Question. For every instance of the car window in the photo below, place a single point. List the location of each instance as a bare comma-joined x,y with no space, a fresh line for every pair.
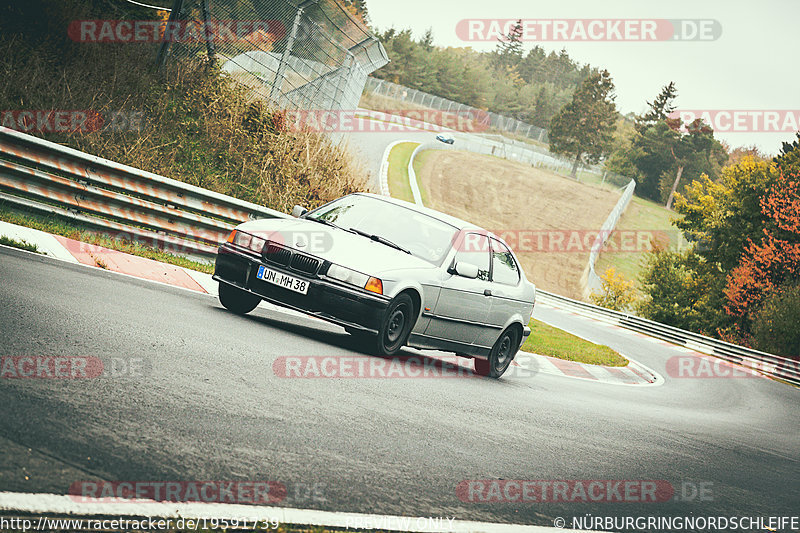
474,249
504,267
424,236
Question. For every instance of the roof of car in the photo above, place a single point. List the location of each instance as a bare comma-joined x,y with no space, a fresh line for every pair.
453,221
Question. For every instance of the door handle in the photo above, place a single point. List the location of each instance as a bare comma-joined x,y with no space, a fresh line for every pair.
487,292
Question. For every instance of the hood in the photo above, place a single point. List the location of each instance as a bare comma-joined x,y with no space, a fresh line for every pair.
336,245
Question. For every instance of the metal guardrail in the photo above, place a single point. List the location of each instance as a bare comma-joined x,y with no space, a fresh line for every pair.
769,364
49,178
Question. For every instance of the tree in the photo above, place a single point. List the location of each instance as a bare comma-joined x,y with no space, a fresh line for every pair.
508,51
665,150
616,293
583,129
683,290
773,261
359,9
775,323
723,215
660,108
427,40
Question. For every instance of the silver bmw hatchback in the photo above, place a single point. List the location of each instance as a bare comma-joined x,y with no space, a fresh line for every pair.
390,272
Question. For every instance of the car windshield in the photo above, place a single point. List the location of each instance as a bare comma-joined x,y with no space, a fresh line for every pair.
422,235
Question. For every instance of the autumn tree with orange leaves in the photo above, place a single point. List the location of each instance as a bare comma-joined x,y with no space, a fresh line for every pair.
768,273
741,279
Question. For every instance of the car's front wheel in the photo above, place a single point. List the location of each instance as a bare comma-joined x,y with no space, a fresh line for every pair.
500,357
237,300
395,327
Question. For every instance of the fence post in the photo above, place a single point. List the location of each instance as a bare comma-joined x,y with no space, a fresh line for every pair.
210,48
161,58
278,82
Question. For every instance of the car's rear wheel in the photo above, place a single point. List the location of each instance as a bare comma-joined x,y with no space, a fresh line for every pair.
237,300
395,327
500,357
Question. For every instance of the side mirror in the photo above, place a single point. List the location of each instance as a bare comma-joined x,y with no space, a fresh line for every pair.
466,270
298,211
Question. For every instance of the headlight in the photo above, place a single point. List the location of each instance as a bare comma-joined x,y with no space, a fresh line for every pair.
257,244
348,276
242,239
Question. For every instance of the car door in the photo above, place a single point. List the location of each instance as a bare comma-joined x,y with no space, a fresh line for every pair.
505,291
463,305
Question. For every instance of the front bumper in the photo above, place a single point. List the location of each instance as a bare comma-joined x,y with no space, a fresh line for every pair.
526,331
326,298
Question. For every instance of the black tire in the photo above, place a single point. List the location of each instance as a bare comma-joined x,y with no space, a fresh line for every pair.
503,352
395,327
237,300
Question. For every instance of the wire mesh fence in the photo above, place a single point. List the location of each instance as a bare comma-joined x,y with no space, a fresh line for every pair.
498,122
493,144
593,282
313,54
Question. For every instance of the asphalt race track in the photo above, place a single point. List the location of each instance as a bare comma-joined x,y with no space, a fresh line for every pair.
208,406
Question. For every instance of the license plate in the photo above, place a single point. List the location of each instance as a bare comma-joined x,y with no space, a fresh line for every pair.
282,280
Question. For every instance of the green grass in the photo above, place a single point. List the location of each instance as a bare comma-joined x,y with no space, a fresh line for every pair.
641,215
398,171
72,231
419,163
548,340
21,244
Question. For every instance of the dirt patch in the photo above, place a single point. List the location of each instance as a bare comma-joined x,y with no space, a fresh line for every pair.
539,211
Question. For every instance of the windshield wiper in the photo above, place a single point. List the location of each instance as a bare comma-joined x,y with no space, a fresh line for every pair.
323,221
327,223
382,240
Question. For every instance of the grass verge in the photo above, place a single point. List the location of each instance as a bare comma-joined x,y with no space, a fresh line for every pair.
398,171
548,340
21,244
641,216
189,121
72,231
419,163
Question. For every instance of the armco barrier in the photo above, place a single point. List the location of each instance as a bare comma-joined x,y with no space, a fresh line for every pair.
771,365
50,178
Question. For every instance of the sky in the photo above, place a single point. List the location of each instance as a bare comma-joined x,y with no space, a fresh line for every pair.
751,66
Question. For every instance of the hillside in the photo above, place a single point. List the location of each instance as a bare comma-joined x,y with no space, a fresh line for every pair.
188,122
546,218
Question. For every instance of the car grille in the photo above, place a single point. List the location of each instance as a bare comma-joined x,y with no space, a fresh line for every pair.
305,263
275,253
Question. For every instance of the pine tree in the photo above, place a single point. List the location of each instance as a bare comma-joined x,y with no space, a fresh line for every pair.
584,128
509,48
660,108
427,40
